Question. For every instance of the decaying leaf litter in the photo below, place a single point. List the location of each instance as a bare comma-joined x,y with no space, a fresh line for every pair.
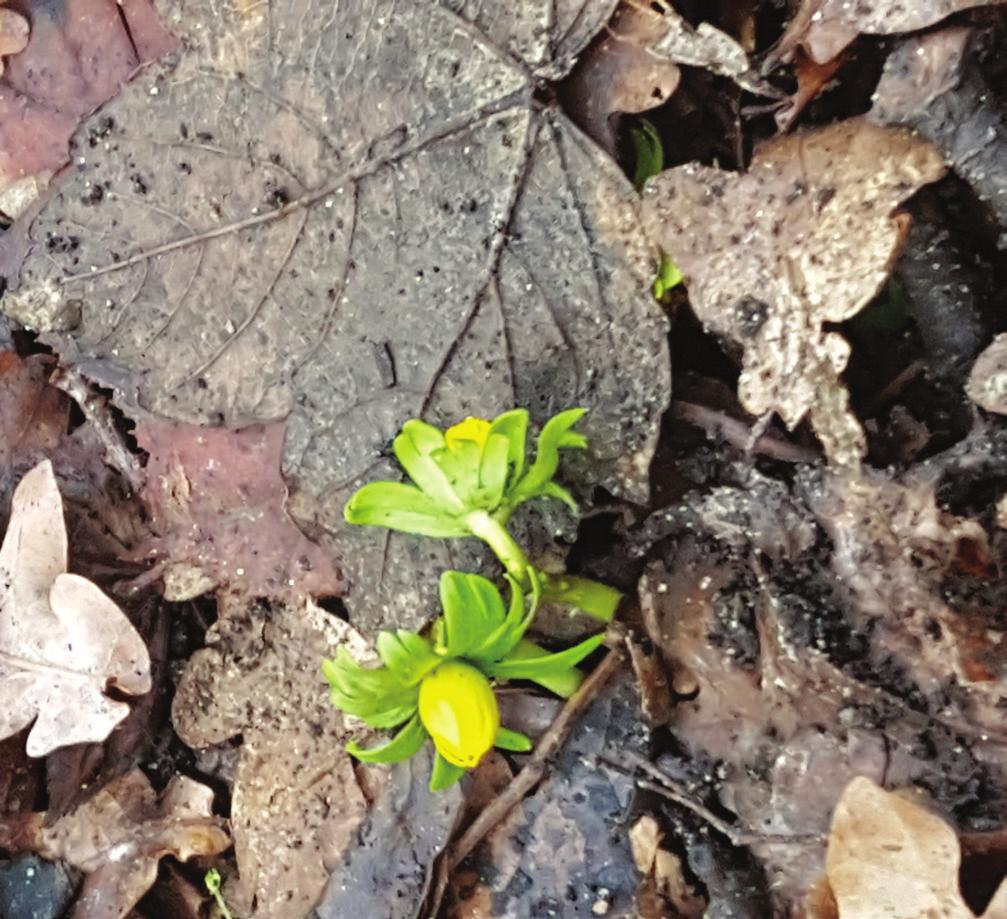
247,243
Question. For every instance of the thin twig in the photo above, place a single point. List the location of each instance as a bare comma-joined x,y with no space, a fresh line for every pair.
739,435
530,776
97,411
667,787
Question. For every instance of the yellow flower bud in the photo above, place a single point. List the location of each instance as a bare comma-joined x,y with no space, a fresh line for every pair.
459,711
476,430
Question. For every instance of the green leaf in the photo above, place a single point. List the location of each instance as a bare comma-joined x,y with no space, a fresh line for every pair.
504,638
377,696
406,743
493,471
555,490
668,276
514,741
444,774
556,435
409,655
460,464
472,607
515,667
415,448
514,426
648,150
401,507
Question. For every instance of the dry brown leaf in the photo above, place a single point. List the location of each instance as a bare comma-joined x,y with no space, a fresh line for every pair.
296,802
62,641
620,73
890,856
118,837
14,31
826,27
217,505
805,238
987,385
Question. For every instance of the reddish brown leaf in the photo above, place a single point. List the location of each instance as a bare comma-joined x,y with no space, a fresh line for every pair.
79,54
217,504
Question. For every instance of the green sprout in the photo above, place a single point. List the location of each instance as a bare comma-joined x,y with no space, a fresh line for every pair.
648,152
469,480
669,275
439,689
212,881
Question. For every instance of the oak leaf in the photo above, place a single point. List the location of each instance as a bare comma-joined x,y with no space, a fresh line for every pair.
62,641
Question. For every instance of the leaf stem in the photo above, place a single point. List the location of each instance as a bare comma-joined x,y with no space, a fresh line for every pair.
592,597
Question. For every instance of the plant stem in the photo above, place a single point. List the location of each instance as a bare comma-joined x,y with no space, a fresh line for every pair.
592,597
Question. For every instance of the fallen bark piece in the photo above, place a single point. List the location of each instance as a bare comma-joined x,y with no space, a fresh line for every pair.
118,837
804,239
62,641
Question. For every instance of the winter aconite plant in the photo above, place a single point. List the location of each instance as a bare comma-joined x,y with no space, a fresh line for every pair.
439,688
469,480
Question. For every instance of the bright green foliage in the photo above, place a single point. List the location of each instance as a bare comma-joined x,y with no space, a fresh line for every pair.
648,152
438,688
468,480
212,881
668,276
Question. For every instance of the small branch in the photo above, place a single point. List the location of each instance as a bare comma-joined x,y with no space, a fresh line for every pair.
667,787
736,433
530,776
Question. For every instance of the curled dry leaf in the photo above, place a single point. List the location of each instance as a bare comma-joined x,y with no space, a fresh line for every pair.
826,27
295,801
890,856
62,640
933,83
620,73
987,383
217,505
118,837
805,238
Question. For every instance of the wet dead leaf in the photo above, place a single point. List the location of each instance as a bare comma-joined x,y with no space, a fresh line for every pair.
217,506
567,838
78,56
890,856
620,73
805,238
389,869
826,27
933,84
62,641
461,250
118,837
295,801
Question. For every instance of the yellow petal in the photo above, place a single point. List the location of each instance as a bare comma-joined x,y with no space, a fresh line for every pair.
459,711
474,429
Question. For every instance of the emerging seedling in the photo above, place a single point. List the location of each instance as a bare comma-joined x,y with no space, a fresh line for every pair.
212,881
439,688
469,480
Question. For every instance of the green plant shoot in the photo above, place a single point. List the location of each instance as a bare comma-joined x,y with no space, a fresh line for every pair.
212,881
438,688
469,480
648,152
668,276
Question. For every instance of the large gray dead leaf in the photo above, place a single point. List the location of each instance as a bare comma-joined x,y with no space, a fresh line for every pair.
62,640
357,214
805,238
826,27
295,802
